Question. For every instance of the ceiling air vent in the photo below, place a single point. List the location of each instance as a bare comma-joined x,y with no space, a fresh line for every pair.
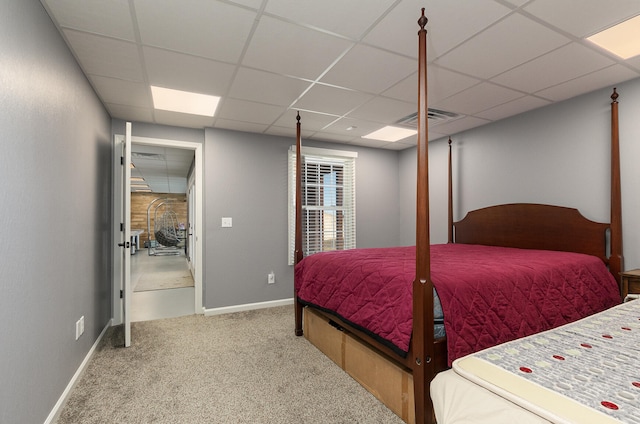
147,156
435,116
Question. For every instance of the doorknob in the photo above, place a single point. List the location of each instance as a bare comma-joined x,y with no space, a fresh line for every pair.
124,244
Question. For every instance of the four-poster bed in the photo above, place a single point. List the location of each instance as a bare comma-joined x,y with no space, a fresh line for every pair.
554,234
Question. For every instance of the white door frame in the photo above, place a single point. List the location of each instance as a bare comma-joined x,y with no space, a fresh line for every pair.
198,212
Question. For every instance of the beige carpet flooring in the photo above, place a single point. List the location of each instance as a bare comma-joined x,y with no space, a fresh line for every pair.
246,367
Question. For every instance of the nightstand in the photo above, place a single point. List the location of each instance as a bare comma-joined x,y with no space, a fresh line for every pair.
630,283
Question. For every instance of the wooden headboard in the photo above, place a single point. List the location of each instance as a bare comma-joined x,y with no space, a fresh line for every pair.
533,226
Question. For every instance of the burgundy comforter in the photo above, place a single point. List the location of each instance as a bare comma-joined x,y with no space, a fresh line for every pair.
489,294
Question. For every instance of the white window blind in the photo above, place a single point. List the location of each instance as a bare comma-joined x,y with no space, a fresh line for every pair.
328,200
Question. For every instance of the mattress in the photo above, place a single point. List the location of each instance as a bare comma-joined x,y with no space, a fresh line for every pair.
457,400
582,372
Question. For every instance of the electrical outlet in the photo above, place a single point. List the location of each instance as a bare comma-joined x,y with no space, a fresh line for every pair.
226,222
271,278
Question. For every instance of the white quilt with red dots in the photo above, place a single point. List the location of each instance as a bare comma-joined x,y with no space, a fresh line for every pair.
584,372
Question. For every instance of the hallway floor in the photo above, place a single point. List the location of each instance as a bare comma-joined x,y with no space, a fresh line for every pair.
160,303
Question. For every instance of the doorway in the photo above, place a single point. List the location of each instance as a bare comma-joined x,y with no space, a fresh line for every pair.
164,300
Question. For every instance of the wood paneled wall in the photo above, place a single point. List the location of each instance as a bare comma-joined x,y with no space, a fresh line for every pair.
139,204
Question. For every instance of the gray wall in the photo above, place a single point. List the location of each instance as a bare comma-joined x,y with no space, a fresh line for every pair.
246,179
55,206
558,154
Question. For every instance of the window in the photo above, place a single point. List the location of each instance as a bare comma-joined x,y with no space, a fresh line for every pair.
328,200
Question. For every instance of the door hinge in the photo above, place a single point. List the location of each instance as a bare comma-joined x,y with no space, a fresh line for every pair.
121,294
121,160
122,226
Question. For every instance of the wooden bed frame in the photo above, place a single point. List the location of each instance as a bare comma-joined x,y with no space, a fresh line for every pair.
515,225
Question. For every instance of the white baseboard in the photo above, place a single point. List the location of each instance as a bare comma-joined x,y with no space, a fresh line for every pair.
53,415
247,307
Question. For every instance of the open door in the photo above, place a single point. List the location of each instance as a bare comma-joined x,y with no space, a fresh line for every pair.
126,234
191,245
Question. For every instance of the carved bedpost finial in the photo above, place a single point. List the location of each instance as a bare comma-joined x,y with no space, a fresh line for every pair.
298,117
450,141
423,20
614,96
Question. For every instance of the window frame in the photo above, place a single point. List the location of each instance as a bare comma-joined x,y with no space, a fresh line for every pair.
327,158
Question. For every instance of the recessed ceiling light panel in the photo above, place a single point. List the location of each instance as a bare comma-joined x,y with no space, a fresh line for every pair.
623,39
184,101
390,133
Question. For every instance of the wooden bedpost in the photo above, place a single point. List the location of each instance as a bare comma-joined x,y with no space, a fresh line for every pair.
450,171
423,346
298,236
616,261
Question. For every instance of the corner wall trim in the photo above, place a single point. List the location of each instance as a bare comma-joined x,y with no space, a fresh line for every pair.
55,412
247,307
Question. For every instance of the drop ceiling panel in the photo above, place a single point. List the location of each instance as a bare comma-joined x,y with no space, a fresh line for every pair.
164,169
288,49
405,90
491,52
397,31
583,17
384,110
353,70
516,2
209,29
186,72
178,162
570,61
470,18
266,87
110,18
443,83
123,92
254,112
254,4
177,173
359,127
477,99
331,100
105,56
347,18
149,169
